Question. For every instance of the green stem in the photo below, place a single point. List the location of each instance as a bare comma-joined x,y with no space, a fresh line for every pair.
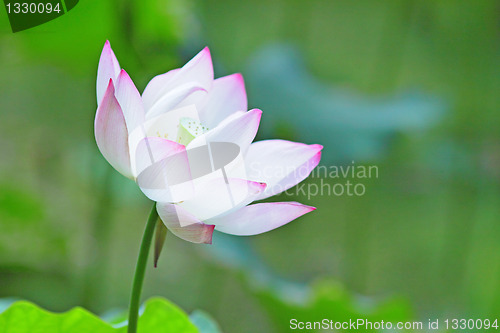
140,270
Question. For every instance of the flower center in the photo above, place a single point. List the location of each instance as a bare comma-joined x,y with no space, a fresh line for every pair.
189,129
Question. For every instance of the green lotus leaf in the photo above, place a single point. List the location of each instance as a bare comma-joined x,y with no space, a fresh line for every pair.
159,316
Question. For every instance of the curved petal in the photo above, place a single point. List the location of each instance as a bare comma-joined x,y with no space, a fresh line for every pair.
199,70
194,231
130,101
152,149
109,68
258,218
111,132
239,129
227,96
281,164
154,87
168,180
176,98
219,195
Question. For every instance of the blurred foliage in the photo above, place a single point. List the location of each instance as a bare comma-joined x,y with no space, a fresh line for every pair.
307,110
284,299
204,322
447,47
330,300
427,229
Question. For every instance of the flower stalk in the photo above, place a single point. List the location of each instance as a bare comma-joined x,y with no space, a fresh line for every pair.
140,270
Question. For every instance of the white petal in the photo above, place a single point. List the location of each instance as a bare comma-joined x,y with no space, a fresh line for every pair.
195,231
227,96
219,195
111,133
168,180
258,218
109,68
177,98
151,150
281,164
197,71
239,129
130,101
154,88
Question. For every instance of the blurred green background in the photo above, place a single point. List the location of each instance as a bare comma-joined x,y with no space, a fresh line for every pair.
409,86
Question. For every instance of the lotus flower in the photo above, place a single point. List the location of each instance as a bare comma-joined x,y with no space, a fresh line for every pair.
187,142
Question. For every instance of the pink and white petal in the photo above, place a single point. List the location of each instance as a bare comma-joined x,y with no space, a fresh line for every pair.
185,94
227,96
280,163
168,180
108,68
218,195
259,218
194,230
152,149
111,132
199,70
301,173
232,117
239,129
130,101
154,88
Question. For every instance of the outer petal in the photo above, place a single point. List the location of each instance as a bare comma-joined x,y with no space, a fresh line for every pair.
194,231
281,164
111,132
130,101
199,70
227,96
239,129
259,218
109,68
